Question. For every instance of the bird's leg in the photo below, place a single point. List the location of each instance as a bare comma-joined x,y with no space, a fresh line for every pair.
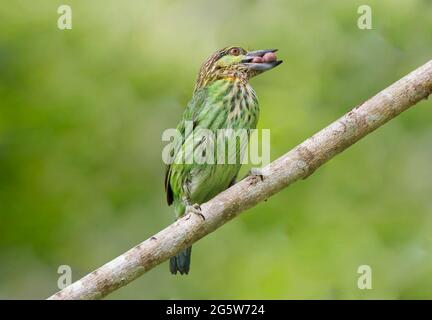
192,208
256,175
256,172
233,182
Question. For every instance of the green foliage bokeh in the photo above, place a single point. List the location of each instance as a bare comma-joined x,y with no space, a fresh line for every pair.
81,117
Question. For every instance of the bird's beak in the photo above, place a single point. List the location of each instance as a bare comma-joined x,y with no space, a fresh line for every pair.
261,60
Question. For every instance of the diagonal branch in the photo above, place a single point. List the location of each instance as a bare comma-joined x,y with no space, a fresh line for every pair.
297,164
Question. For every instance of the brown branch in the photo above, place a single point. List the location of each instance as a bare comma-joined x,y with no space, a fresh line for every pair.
297,164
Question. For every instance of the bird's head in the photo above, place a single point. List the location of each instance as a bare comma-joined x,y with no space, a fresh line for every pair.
236,63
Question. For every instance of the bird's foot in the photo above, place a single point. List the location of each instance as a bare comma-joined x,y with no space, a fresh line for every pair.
255,175
196,209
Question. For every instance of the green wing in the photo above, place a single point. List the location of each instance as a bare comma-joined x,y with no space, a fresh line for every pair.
190,114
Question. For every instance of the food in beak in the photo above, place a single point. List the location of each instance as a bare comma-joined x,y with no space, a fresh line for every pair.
268,57
261,60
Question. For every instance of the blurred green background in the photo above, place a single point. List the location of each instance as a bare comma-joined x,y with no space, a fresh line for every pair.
81,117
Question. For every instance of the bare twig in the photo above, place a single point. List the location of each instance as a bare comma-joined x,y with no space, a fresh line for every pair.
297,164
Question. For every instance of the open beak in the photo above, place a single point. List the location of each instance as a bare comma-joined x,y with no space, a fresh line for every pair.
261,60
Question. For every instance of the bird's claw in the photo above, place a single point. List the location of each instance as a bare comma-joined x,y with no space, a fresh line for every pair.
256,175
196,209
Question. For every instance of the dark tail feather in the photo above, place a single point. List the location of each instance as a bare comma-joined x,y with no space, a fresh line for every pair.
181,262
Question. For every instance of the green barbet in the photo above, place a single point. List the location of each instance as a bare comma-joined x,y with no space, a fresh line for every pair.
222,99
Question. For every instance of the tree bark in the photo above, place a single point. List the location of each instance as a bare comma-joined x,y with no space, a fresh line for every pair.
297,164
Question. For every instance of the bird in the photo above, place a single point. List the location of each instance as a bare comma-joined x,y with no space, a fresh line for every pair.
222,99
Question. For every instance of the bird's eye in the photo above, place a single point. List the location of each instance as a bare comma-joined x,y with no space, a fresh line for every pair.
234,51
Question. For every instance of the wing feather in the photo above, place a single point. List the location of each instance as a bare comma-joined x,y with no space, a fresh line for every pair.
189,114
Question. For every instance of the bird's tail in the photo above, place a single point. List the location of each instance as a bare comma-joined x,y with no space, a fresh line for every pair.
181,262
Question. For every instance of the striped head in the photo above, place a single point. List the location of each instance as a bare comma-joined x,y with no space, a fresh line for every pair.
236,63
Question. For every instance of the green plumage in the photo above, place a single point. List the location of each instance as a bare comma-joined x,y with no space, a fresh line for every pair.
223,104
223,99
